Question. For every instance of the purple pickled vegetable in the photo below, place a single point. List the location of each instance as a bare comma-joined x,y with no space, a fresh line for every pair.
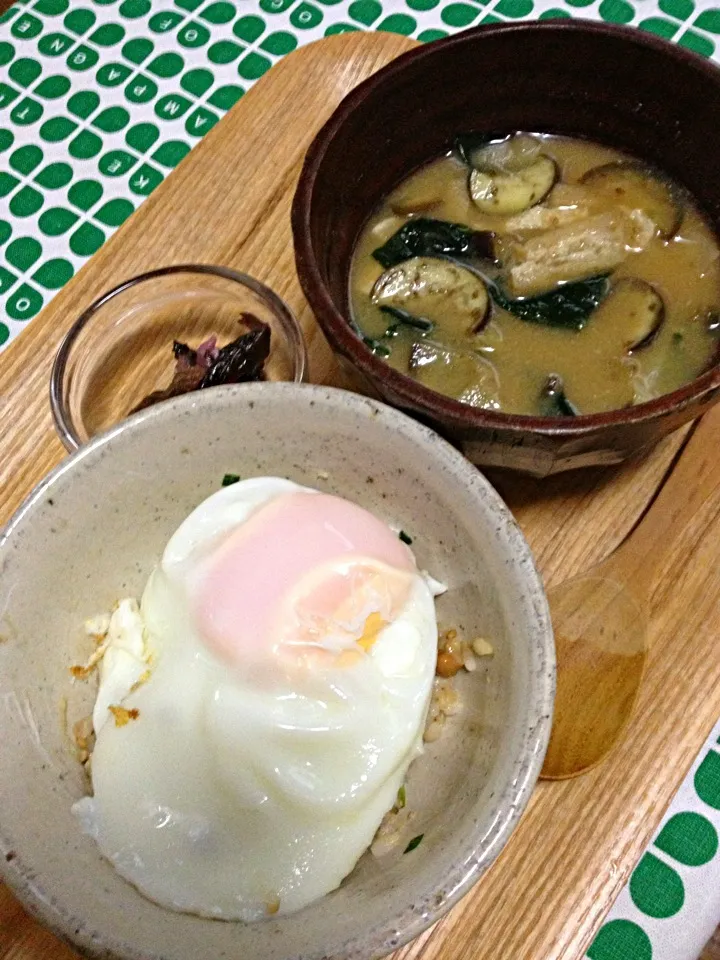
241,361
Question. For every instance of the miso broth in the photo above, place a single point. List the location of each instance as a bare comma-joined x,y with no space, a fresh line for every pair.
539,275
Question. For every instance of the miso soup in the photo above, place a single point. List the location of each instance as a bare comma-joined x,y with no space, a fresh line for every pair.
539,275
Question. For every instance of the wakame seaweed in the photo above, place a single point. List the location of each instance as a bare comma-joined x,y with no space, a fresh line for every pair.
426,237
570,306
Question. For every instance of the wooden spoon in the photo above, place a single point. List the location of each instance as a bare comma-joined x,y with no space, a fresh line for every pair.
600,619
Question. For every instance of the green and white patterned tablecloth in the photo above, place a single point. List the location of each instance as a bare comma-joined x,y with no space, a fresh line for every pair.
671,906
100,99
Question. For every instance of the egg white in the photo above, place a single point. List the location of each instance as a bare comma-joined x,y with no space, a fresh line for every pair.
237,796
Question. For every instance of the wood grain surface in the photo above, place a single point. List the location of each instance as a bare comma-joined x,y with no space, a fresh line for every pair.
228,203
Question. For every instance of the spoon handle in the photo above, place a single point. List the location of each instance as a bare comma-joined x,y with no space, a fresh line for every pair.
694,480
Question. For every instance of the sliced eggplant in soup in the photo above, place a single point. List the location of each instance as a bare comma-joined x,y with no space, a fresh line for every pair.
631,315
453,298
507,193
508,155
582,277
461,374
637,187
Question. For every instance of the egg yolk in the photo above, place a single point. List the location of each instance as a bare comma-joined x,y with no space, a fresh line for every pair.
306,571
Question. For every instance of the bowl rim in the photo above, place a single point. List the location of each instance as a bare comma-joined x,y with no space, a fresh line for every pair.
524,768
62,418
338,328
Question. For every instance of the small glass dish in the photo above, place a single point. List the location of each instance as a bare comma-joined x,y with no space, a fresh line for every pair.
121,348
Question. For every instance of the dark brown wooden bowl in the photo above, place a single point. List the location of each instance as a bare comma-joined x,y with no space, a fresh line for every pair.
615,85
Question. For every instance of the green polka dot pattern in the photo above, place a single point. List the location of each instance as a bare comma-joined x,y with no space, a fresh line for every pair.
689,838
707,780
115,93
621,940
682,864
656,889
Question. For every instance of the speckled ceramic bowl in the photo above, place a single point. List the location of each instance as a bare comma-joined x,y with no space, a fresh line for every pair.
91,532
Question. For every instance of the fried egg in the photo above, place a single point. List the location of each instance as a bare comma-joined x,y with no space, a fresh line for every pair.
257,715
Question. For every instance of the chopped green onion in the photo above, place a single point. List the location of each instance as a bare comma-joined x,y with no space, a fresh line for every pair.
405,538
230,478
400,803
415,842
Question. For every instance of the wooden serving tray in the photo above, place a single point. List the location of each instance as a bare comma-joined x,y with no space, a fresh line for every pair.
229,203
